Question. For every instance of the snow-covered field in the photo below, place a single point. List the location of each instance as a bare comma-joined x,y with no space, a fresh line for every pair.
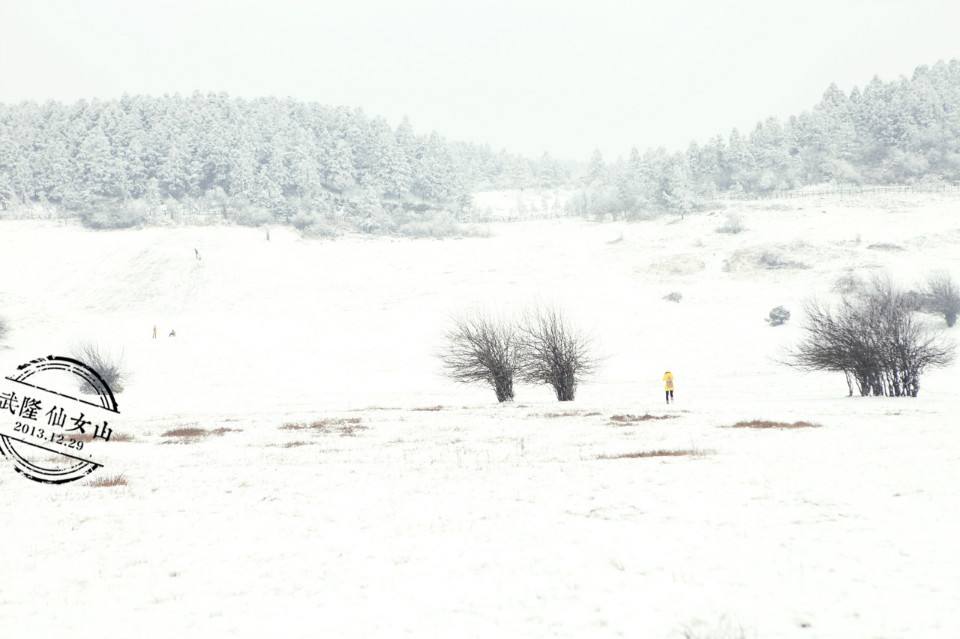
473,519
520,204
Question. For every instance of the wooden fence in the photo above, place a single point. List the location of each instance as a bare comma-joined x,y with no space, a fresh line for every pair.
840,191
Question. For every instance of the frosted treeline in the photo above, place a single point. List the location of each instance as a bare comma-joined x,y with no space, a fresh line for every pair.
141,159
117,162
899,132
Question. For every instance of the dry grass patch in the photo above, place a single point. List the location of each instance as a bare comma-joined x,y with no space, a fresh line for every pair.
633,419
189,434
774,257
673,452
428,408
766,423
296,444
186,432
88,437
345,426
885,246
108,482
569,413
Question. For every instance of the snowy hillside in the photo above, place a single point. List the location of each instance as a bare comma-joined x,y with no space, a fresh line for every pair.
474,519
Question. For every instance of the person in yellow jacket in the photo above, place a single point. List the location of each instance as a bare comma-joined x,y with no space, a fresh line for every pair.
668,385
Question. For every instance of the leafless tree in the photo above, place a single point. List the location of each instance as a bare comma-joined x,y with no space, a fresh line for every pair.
875,339
483,349
941,295
109,367
553,352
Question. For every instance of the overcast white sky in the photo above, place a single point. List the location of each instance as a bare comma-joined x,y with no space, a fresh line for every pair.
531,76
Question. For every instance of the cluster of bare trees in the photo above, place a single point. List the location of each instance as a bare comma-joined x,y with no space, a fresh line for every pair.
542,348
875,338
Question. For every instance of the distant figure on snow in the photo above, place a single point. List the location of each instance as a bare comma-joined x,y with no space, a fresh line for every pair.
154,331
197,253
173,333
668,385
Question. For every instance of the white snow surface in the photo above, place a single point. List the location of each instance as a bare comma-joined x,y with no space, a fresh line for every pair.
475,519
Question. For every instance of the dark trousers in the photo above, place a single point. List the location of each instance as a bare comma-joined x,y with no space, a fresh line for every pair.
669,396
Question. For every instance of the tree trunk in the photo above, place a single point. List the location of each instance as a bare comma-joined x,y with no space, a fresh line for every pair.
504,389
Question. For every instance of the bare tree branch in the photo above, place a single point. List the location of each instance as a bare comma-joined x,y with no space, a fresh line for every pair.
482,349
553,353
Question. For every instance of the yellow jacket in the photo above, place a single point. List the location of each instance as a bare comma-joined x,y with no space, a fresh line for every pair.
668,381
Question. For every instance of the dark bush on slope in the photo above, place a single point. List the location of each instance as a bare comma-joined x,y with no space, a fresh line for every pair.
875,339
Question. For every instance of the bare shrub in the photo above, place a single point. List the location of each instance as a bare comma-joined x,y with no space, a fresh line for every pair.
439,225
483,349
674,296
108,482
675,452
940,295
915,300
766,423
113,216
778,316
108,366
732,225
874,339
553,353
